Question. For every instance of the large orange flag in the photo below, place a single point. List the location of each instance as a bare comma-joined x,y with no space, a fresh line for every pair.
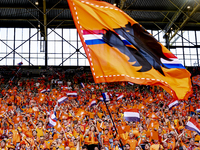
120,49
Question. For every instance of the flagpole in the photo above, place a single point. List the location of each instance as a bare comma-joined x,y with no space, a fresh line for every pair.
12,78
111,118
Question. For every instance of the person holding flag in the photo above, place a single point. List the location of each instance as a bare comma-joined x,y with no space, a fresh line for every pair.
40,127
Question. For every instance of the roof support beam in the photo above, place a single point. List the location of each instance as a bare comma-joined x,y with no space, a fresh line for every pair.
14,50
31,19
54,7
67,8
174,18
29,7
185,21
45,33
70,20
59,8
45,20
122,4
171,44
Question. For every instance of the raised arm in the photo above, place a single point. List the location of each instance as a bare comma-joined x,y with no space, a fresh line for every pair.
46,122
31,121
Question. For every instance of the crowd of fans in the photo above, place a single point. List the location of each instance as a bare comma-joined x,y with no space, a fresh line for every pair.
25,114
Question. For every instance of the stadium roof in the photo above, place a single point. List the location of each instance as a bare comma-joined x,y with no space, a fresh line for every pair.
152,14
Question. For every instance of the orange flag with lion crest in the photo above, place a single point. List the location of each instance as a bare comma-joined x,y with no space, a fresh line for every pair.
120,49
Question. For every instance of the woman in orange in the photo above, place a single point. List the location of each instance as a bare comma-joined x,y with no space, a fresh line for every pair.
93,137
105,139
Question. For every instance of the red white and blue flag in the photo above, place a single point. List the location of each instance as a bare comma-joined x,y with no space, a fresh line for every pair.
72,94
173,63
52,119
173,103
93,36
105,96
101,98
132,115
198,110
193,125
93,103
130,83
120,96
43,91
62,99
20,64
82,85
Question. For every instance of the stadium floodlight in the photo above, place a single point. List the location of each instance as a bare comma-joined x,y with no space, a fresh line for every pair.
36,3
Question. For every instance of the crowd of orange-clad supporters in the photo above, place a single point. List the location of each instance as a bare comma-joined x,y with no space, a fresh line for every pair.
25,114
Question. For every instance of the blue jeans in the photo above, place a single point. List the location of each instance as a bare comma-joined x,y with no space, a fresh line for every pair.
111,142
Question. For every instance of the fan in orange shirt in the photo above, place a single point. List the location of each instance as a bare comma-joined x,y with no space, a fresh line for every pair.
154,121
17,118
105,139
76,145
132,127
120,128
171,142
22,145
154,134
156,146
78,135
15,133
28,140
91,113
116,145
39,128
9,141
132,141
92,134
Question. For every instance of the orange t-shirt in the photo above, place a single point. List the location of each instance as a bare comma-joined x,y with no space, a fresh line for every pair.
105,140
171,145
93,138
155,147
132,143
